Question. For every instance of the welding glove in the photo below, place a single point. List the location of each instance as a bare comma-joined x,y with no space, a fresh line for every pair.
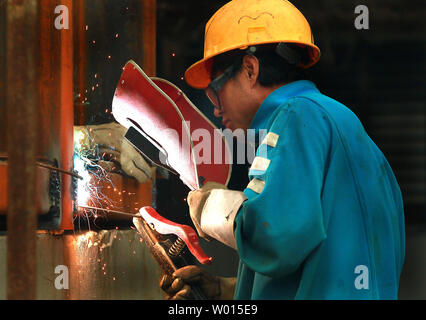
213,209
107,140
178,286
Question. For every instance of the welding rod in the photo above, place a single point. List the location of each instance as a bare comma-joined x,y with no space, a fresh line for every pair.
47,166
40,164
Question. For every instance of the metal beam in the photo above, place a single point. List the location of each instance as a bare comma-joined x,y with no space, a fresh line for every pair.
149,36
67,118
80,51
22,99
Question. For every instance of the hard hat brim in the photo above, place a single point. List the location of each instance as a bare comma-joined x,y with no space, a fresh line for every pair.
198,75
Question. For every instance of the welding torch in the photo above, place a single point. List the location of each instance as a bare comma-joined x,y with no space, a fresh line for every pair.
167,242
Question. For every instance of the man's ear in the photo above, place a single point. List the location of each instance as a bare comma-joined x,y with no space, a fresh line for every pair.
250,68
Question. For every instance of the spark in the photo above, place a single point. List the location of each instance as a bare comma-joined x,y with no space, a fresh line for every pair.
84,184
89,190
85,239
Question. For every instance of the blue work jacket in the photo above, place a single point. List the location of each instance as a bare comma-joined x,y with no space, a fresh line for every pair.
324,217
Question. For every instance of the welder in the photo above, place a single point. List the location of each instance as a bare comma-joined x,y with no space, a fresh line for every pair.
322,216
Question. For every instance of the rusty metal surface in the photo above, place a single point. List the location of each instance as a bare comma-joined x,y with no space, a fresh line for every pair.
67,118
49,83
81,63
42,201
108,264
3,124
51,75
149,36
39,102
22,117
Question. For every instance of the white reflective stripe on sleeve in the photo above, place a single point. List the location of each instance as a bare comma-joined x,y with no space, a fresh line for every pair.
256,185
219,211
260,163
271,139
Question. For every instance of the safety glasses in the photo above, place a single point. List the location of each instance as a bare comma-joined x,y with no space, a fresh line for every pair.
214,87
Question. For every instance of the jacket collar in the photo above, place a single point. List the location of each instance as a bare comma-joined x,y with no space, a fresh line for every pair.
278,97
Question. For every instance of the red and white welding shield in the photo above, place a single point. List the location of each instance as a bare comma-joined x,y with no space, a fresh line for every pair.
195,148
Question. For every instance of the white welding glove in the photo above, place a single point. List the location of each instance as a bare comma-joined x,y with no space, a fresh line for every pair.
213,209
109,138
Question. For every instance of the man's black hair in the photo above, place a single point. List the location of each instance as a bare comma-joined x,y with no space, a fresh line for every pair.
273,68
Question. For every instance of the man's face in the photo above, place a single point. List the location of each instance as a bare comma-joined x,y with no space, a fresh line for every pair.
234,103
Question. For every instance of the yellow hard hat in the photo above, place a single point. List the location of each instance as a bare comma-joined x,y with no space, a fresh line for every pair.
243,23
